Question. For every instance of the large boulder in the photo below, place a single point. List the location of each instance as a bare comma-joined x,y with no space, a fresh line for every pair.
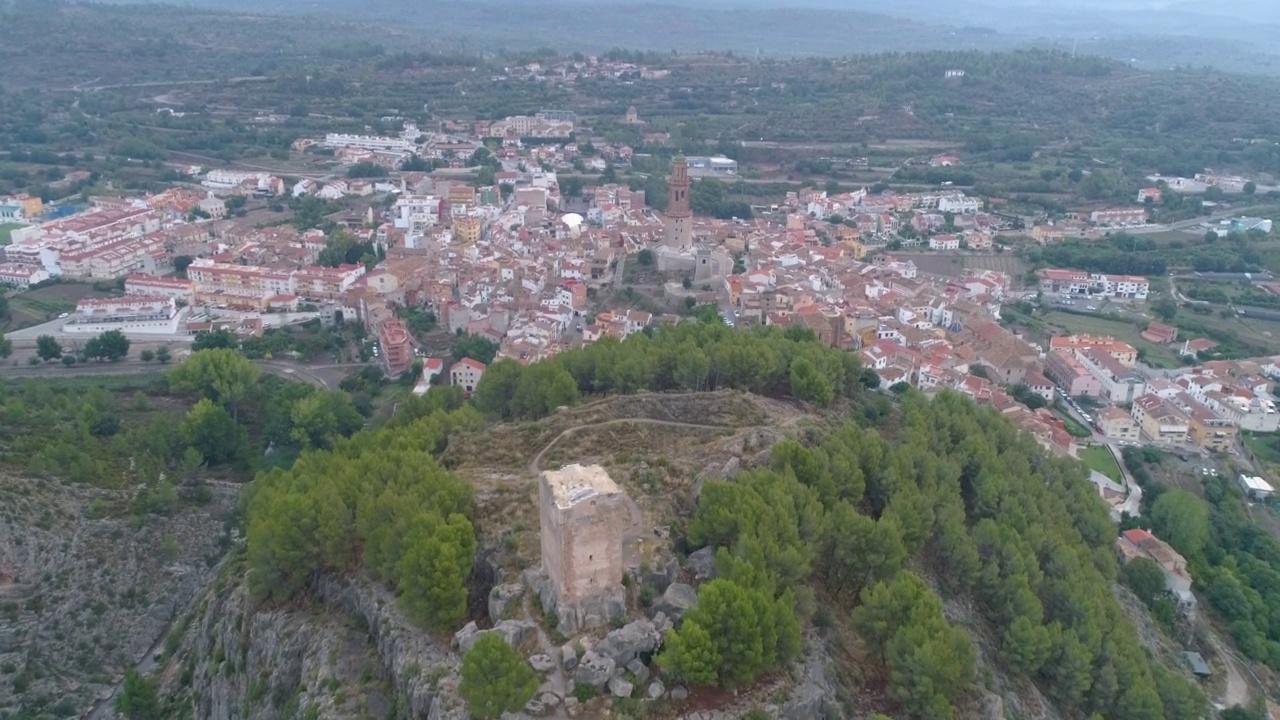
662,574
568,657
466,638
594,669
620,687
630,642
517,633
501,600
639,669
703,564
542,663
675,601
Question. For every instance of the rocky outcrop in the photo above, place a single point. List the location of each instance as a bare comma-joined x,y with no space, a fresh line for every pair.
675,601
502,598
585,614
351,653
631,641
702,563
594,669
87,592
814,697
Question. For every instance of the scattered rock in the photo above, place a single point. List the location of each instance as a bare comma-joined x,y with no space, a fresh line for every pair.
594,669
662,622
568,657
535,708
571,706
466,638
620,687
663,574
516,632
676,600
542,663
730,468
629,642
703,564
679,693
656,690
639,669
549,700
501,598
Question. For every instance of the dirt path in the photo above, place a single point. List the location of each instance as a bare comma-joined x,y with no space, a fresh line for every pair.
535,465
1237,690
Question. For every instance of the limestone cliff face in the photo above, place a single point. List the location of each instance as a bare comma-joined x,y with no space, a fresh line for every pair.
86,592
346,651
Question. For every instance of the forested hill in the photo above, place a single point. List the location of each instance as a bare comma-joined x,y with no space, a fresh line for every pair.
929,544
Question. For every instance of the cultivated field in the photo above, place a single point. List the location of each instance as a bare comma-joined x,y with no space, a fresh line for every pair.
1156,355
42,304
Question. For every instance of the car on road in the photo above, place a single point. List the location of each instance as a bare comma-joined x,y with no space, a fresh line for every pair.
63,315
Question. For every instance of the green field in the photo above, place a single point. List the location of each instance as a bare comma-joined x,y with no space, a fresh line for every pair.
6,229
1265,448
1098,457
1156,355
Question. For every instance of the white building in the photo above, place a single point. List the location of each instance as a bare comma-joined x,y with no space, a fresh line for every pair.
369,142
156,286
1256,488
466,374
130,308
22,276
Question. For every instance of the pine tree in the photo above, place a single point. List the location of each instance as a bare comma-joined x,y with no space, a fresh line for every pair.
495,679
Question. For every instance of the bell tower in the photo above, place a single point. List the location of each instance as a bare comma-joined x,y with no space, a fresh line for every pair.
679,234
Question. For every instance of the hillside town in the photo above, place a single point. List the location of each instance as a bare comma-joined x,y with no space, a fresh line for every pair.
519,263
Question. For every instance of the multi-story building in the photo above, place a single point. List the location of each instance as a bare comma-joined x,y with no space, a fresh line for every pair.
1079,282
130,308
369,142
1210,432
1117,424
397,346
1119,217
183,291
1118,383
466,374
1064,282
1064,368
22,276
1124,353
1160,420
316,282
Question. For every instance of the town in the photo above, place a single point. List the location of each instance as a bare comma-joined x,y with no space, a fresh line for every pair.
516,260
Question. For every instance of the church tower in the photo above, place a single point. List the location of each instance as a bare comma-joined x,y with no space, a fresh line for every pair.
679,216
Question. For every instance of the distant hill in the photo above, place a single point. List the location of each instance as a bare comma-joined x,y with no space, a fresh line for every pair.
1234,35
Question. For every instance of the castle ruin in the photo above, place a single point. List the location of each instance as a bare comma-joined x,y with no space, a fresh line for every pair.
584,516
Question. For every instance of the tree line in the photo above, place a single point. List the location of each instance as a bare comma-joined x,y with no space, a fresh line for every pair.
690,356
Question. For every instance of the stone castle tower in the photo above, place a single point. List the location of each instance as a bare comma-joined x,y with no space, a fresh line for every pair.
679,217
583,517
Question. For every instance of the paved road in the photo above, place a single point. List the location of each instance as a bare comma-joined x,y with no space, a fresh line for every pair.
325,376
